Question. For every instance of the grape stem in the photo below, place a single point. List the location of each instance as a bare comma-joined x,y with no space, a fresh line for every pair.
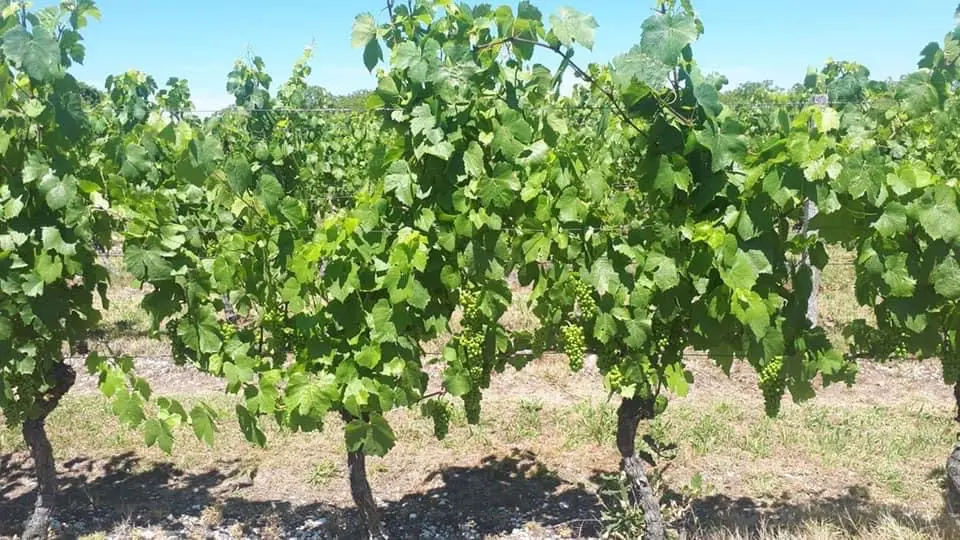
580,72
438,393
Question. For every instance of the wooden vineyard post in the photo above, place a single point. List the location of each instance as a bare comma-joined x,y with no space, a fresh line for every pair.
810,211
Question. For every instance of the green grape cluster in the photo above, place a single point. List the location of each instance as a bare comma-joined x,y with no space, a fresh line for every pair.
440,412
470,302
900,350
539,345
772,384
951,368
585,301
574,345
472,343
228,329
471,406
615,378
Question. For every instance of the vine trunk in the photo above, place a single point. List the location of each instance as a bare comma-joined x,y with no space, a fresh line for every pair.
953,468
629,415
363,495
35,435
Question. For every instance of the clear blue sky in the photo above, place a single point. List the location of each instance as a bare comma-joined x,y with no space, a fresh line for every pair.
745,39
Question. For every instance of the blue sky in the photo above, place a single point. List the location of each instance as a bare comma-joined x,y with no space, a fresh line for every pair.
745,39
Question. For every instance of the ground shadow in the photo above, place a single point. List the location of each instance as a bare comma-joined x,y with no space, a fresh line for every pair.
502,493
102,495
499,495
851,512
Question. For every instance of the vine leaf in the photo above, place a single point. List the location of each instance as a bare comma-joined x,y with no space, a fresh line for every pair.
946,279
678,379
666,35
203,421
37,53
269,192
473,160
898,277
365,35
937,212
146,264
200,331
400,181
456,381
375,437
638,65
726,144
239,174
571,26
250,427
158,433
893,221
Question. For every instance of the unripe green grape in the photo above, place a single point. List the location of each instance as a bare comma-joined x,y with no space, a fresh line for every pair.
574,345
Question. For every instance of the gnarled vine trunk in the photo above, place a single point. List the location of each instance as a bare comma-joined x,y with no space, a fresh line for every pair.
361,492
953,468
35,435
629,415
363,495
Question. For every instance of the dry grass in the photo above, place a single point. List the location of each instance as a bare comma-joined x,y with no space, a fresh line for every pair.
838,303
881,527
